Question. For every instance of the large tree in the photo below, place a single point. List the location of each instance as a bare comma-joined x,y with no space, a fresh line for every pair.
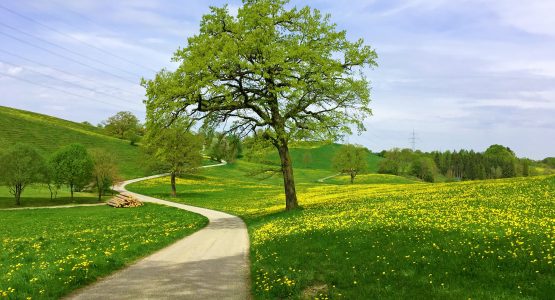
20,166
284,73
175,148
73,166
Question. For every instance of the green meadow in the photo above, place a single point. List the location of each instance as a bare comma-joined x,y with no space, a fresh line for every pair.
47,253
386,236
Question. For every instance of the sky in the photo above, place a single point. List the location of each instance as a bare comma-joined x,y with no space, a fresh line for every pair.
461,74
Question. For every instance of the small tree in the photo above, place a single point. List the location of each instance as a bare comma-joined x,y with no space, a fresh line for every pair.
72,166
224,147
351,159
50,180
307,159
105,172
424,168
123,125
20,166
176,147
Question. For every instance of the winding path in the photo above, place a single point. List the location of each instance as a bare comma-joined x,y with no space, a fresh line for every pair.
212,263
326,178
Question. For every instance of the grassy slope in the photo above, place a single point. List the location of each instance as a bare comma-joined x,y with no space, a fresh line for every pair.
484,239
370,179
46,253
48,134
319,156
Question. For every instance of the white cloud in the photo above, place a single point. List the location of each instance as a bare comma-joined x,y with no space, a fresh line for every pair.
531,66
533,16
15,70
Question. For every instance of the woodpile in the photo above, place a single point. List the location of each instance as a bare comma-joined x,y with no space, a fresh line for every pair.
123,201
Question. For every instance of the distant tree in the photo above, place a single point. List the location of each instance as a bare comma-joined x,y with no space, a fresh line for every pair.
397,161
424,168
224,147
20,166
287,73
123,125
105,172
72,166
307,158
87,123
133,137
501,157
351,159
176,148
550,161
388,166
525,167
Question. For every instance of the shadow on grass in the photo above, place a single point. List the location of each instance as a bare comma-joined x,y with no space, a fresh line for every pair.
9,202
193,177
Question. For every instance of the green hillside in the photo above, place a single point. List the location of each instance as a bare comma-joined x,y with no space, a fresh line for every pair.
319,156
48,134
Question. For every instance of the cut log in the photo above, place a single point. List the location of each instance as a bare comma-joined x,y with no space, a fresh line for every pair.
124,201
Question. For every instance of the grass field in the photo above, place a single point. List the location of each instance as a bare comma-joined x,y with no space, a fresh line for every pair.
39,195
370,179
481,239
48,134
46,253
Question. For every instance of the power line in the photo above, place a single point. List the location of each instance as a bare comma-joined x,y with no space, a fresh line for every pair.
73,38
68,82
68,58
66,49
412,140
61,90
65,72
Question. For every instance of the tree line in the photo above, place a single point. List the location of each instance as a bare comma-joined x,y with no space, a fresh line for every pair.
496,162
72,166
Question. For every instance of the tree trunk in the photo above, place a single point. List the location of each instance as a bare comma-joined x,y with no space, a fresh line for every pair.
100,188
71,189
353,174
51,192
174,190
17,194
288,180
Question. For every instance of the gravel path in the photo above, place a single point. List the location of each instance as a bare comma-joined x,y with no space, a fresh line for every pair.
209,264
326,178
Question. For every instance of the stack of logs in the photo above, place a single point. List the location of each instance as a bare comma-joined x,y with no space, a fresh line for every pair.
123,201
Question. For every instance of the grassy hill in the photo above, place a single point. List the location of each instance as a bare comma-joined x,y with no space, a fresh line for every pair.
319,156
48,134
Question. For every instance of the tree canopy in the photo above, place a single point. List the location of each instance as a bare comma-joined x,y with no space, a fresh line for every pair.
176,148
73,166
283,73
123,125
20,166
105,171
351,159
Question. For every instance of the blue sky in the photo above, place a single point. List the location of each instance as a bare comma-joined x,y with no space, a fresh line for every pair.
462,74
